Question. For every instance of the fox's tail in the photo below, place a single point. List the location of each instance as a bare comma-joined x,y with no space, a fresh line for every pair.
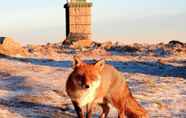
134,109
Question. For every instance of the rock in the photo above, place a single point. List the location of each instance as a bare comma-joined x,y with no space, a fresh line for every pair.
74,37
126,48
161,61
85,43
106,45
162,52
10,47
175,44
67,42
96,52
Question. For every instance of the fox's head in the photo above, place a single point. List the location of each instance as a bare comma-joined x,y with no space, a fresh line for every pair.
87,75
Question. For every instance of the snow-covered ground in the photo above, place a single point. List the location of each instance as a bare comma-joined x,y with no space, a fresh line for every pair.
35,87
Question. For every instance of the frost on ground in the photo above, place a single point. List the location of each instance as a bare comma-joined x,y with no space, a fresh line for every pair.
35,87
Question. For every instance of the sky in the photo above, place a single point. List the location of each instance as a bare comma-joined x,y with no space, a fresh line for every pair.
126,21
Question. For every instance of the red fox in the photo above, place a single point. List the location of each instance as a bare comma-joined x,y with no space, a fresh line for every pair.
99,83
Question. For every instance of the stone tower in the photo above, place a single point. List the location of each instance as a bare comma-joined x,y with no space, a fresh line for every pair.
78,19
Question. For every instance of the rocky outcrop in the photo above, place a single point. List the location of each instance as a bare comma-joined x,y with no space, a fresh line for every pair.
11,48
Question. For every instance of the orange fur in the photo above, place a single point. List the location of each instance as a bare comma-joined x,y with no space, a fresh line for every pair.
91,84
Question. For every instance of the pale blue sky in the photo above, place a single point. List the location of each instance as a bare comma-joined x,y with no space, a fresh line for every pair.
145,21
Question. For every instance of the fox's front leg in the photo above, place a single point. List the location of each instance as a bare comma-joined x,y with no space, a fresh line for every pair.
105,110
90,108
79,110
89,111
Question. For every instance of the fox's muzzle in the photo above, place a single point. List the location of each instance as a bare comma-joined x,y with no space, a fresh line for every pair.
85,86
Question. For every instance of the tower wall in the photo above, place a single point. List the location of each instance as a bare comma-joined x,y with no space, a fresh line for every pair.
78,20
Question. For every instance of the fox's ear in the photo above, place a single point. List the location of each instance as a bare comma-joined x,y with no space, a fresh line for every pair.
77,61
100,64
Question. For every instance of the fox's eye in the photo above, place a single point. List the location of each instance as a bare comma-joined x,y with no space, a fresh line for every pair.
82,81
80,77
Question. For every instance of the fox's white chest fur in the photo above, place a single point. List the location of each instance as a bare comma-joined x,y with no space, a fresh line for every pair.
90,94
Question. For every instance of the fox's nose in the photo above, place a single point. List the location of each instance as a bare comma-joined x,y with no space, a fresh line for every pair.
87,86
